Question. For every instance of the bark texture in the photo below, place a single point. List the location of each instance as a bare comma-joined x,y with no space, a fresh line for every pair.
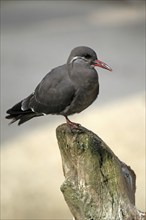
97,184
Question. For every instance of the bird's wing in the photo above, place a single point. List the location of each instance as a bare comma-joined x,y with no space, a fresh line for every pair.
54,93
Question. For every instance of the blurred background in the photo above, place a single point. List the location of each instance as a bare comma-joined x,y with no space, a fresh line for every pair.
37,36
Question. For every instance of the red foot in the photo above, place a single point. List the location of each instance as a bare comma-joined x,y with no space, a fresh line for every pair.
72,124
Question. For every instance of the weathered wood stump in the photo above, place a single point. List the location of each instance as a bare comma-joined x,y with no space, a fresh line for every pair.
97,184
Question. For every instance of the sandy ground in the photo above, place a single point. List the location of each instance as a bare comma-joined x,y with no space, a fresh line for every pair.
31,164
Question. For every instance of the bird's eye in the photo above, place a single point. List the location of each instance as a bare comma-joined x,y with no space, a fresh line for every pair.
87,56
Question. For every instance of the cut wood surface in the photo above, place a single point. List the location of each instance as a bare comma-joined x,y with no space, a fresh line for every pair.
97,184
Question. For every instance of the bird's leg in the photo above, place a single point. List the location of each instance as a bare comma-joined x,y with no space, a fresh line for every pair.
71,124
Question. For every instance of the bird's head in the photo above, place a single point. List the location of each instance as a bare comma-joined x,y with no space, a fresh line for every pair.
88,55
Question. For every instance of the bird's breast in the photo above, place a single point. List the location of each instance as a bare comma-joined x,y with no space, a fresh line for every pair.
85,95
85,82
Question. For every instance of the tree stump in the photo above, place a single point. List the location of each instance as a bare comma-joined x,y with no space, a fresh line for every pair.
97,184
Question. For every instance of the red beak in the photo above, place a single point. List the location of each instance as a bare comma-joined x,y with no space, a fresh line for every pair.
102,65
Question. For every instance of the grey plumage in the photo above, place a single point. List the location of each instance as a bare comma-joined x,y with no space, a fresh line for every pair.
65,90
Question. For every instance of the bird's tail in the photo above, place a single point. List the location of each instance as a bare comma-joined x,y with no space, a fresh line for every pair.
16,113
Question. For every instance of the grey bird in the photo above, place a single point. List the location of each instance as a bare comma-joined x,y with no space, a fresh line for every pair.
65,90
